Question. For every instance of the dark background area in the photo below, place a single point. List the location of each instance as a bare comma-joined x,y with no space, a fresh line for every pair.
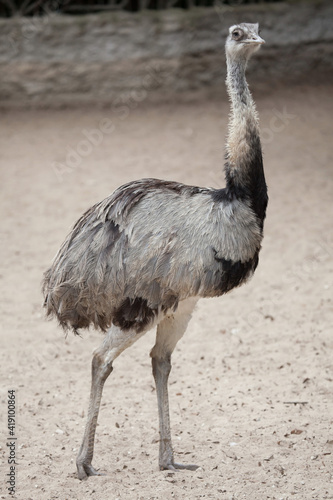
10,8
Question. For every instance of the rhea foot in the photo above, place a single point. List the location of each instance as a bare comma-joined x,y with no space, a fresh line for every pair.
86,470
176,467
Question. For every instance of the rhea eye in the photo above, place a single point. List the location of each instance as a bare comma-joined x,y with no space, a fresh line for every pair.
237,34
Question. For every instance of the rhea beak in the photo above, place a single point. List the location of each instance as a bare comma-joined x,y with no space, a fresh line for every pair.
256,39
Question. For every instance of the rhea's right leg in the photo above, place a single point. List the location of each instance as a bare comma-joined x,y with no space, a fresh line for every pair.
169,332
115,342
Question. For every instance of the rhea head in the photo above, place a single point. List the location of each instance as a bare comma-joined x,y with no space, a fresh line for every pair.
243,40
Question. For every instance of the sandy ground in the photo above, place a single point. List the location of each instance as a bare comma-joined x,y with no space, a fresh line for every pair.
251,385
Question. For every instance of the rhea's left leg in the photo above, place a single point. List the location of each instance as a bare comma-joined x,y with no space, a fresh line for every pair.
114,343
169,331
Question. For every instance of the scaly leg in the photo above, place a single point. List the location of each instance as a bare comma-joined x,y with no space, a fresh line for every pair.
169,331
115,342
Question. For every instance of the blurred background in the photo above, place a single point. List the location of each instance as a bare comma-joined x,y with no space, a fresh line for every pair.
60,52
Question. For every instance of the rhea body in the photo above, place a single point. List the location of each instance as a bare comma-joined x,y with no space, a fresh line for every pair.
144,256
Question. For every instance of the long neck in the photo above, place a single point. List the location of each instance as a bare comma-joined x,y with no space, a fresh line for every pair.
244,168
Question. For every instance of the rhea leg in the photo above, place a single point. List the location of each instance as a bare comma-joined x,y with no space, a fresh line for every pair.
169,331
115,342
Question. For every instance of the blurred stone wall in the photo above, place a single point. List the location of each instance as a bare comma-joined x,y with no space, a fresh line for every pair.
59,60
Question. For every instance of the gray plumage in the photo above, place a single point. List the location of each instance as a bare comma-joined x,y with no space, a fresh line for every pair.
153,240
144,255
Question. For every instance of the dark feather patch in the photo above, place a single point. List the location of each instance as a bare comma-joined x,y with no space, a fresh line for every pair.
247,182
134,314
233,274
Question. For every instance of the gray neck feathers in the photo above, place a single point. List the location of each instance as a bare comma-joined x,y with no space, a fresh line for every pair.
243,126
237,87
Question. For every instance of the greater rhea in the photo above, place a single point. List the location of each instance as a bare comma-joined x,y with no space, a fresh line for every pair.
144,256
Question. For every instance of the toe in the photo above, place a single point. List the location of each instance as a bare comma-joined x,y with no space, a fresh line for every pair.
86,470
186,467
175,467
